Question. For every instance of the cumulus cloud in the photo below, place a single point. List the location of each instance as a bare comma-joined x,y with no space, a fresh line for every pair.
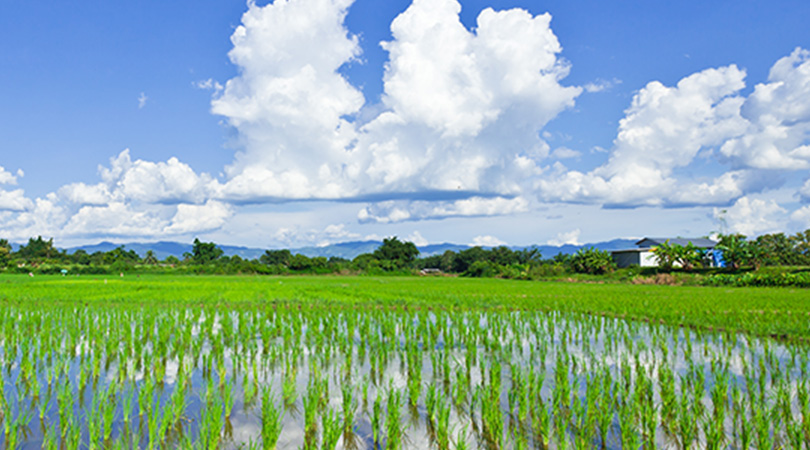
400,211
568,237
14,200
601,85
199,218
801,217
565,153
487,241
295,236
461,110
778,116
7,177
752,217
804,191
417,238
702,120
125,180
664,129
115,219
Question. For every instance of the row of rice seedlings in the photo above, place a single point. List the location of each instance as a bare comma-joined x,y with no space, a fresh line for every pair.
514,378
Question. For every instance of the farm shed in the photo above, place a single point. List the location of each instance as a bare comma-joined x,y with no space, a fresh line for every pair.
644,257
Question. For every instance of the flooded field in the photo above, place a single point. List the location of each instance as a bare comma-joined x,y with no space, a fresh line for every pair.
315,375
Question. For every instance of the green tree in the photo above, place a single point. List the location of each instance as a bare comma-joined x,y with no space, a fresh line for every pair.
736,250
778,249
205,252
276,257
300,262
5,252
592,261
80,256
37,249
465,258
150,258
396,252
801,242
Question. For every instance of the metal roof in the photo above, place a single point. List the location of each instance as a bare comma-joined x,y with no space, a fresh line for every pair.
697,242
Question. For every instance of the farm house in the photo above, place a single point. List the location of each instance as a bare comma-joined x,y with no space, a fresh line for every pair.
643,255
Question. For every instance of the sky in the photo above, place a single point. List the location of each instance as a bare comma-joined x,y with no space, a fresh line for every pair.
308,122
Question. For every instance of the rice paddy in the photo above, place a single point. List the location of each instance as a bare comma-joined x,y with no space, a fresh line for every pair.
333,362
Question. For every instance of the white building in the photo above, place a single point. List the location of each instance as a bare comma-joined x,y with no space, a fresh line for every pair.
643,256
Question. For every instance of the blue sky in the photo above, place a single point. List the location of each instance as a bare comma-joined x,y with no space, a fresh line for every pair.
277,124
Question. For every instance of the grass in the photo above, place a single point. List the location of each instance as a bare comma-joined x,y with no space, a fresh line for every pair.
775,312
156,362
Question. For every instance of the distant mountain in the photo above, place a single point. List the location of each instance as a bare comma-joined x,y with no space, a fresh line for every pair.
347,250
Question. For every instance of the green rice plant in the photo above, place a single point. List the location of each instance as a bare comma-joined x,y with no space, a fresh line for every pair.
376,420
312,403
270,420
227,398
288,387
332,429
763,420
126,405
393,426
349,404
50,441
211,419
628,419
443,425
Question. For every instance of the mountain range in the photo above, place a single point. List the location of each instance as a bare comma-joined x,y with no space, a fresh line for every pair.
347,250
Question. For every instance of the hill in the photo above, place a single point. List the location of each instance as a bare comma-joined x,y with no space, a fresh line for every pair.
347,250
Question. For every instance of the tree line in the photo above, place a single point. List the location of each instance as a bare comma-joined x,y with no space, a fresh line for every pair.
396,256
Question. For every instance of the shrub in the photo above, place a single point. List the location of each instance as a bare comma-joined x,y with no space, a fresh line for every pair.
592,261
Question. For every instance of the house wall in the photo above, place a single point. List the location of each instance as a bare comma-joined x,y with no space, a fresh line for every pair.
643,258
647,259
626,259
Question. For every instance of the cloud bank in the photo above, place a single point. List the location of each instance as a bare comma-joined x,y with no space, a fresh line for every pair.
457,133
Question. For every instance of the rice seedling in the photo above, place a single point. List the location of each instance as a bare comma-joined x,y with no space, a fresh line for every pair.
518,373
270,420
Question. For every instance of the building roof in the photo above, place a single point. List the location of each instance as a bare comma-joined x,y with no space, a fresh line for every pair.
697,242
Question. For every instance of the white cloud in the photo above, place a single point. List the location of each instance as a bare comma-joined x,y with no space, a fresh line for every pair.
399,211
752,217
42,216
487,241
142,181
289,102
7,177
199,218
115,219
778,114
601,85
664,129
209,84
296,236
417,238
14,200
668,130
804,191
569,237
801,217
565,153
84,194
461,110
142,100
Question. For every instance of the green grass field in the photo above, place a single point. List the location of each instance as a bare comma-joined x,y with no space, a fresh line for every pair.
224,362
779,312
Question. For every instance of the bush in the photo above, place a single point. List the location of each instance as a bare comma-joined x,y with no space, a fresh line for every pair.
592,261
782,279
481,269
